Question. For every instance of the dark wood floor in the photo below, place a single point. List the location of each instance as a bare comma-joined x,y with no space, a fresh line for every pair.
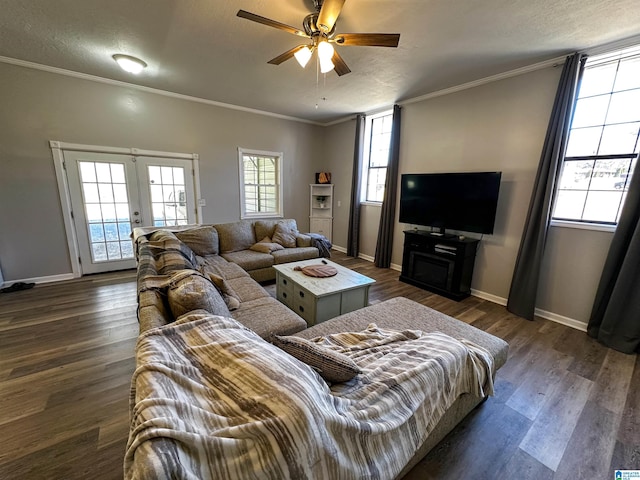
565,407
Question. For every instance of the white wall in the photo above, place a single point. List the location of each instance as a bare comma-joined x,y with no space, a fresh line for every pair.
38,106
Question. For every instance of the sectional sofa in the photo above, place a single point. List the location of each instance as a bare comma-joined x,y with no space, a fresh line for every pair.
218,393
223,250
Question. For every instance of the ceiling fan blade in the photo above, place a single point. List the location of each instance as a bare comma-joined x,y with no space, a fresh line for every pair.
368,39
286,55
271,23
341,67
329,14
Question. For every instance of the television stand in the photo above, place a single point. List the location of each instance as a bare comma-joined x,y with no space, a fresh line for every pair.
440,264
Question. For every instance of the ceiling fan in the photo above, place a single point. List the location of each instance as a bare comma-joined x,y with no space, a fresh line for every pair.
319,28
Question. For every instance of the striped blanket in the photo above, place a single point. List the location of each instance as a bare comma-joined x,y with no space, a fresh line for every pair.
212,400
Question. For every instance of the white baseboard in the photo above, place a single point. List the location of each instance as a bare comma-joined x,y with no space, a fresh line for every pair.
48,279
554,317
489,296
569,322
368,258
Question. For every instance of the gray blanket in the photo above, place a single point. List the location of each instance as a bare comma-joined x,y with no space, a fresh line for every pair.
322,243
212,400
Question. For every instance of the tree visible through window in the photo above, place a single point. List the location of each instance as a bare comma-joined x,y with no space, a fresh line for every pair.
603,141
376,155
260,185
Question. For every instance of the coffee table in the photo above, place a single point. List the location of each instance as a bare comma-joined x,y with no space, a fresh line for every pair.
319,299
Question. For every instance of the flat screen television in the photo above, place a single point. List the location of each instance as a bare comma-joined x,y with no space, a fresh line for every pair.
455,201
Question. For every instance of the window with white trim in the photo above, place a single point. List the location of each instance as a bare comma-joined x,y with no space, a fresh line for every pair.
377,139
603,141
260,183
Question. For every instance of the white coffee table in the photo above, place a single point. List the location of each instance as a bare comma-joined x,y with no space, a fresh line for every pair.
319,299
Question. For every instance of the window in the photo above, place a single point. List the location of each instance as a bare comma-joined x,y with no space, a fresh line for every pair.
260,184
603,141
376,155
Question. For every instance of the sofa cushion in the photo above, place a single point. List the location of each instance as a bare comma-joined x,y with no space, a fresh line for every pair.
267,316
294,254
285,235
189,290
235,236
249,260
202,240
246,289
266,246
227,270
331,365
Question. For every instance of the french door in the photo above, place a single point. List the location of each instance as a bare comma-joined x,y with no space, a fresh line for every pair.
110,194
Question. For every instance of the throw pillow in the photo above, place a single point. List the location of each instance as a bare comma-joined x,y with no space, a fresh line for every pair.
230,297
188,292
331,365
202,240
285,235
266,246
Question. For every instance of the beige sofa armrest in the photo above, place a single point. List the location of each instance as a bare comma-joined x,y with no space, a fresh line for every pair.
303,240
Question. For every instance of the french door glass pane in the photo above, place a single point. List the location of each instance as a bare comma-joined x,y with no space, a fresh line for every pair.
168,195
103,184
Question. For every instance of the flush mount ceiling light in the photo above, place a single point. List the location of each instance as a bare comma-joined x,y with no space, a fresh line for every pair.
129,64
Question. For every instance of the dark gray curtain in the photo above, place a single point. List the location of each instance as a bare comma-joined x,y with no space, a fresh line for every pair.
524,284
353,238
388,213
615,318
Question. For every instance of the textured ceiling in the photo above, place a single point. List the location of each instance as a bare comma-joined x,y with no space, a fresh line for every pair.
200,48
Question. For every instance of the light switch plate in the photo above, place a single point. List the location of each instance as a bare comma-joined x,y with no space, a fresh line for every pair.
202,202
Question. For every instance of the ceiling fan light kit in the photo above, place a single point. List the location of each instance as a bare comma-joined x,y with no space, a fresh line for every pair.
320,28
325,54
129,64
303,56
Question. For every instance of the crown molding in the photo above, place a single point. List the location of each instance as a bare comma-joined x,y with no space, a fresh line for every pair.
553,62
157,91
